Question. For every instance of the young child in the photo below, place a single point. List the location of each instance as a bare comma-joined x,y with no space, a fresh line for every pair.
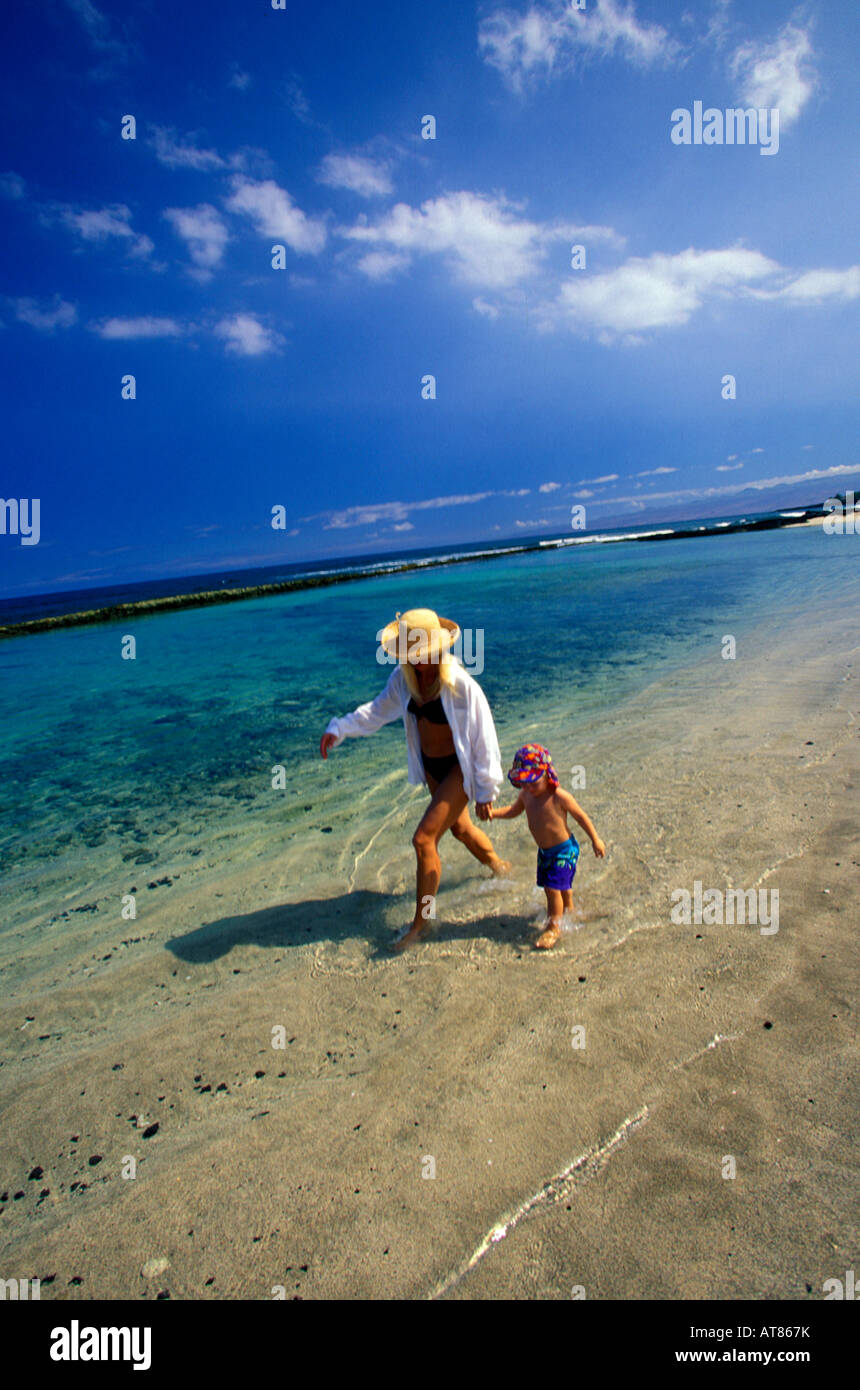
547,807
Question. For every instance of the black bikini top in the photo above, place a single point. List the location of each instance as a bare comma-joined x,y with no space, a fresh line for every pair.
432,711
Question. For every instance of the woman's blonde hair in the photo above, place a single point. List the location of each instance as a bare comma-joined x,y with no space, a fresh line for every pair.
447,676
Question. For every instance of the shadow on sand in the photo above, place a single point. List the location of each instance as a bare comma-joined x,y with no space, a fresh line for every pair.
362,915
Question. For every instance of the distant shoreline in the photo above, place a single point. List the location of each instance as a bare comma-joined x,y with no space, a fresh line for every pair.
209,597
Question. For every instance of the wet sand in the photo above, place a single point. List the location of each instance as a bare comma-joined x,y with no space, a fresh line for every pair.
302,1167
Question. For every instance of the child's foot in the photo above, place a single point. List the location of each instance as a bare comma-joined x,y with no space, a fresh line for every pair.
548,937
500,867
411,936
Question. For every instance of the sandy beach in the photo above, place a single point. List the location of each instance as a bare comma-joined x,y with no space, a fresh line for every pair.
308,1166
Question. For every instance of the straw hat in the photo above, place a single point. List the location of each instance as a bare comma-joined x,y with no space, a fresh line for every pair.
418,636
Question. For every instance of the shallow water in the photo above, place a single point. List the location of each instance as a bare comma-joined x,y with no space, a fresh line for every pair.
116,773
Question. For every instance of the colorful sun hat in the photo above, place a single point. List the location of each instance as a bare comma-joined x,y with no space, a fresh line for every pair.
419,635
530,763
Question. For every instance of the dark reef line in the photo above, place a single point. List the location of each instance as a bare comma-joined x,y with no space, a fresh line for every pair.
172,602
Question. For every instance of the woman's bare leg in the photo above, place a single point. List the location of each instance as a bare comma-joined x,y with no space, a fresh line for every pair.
446,803
477,843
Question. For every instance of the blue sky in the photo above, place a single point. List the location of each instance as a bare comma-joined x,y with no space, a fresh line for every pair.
405,257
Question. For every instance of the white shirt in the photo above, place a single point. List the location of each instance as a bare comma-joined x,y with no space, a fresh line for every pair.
468,715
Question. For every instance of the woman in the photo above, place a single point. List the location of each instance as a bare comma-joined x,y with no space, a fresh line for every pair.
451,745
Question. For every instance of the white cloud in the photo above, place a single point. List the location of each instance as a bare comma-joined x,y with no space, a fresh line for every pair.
481,306
369,514
731,458
380,265
816,286
245,335
778,74
483,238
732,489
61,314
729,467
403,526
92,21
275,215
593,482
549,487
664,291
99,224
94,24
98,30
205,233
551,37
650,472
175,155
659,291
12,185
239,80
147,326
298,103
756,451
719,25
359,173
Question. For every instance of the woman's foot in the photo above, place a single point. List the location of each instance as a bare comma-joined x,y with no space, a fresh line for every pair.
500,867
411,936
549,936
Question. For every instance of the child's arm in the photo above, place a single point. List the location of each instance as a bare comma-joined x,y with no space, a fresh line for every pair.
507,812
575,810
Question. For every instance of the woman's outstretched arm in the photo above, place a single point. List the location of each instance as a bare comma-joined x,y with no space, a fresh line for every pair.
369,717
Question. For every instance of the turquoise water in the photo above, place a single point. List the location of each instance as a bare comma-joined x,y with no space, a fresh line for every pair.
115,772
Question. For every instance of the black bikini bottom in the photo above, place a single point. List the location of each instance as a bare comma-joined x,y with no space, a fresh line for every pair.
438,768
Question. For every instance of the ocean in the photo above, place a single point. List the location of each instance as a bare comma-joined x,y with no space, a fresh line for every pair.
70,606
117,773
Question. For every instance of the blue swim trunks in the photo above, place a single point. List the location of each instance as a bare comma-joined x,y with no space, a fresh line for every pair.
556,866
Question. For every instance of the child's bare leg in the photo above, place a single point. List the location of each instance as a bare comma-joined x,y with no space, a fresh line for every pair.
477,843
447,802
567,895
554,905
